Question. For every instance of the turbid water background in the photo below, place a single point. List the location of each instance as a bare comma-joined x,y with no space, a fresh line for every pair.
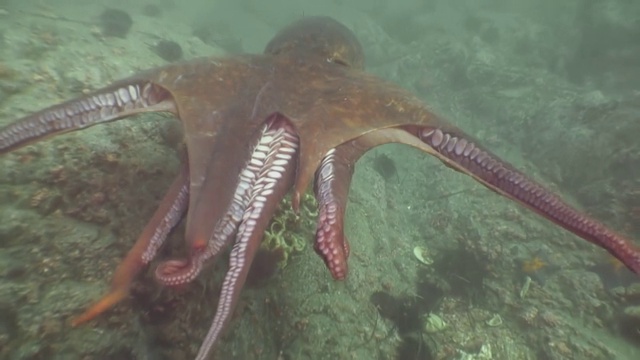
553,87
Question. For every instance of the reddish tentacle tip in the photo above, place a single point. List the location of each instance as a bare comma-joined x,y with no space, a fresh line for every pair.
198,246
338,272
334,258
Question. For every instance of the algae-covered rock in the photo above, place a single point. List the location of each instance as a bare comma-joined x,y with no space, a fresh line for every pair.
633,312
633,292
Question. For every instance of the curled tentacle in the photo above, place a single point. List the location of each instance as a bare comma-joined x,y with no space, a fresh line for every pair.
178,272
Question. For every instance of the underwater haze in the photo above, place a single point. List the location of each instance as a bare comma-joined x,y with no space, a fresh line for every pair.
440,267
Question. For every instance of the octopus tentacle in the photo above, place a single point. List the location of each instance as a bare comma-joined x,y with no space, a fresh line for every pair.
331,187
503,178
168,214
115,102
179,271
275,161
241,197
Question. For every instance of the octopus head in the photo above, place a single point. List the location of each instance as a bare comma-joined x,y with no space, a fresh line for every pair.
319,37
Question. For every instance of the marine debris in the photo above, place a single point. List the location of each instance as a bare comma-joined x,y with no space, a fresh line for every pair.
423,255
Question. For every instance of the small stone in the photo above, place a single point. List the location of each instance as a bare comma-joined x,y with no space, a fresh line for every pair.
529,315
550,319
434,324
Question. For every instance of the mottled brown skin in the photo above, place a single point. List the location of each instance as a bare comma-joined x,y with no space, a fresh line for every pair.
309,85
242,91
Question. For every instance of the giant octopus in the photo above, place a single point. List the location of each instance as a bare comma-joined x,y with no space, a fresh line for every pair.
258,126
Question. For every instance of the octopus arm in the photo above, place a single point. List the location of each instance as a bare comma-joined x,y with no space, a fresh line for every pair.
121,100
331,187
276,152
171,209
461,152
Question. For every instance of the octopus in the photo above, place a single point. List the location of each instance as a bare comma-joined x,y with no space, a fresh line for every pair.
257,127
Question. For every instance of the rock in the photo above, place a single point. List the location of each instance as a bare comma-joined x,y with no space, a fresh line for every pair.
633,312
633,291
